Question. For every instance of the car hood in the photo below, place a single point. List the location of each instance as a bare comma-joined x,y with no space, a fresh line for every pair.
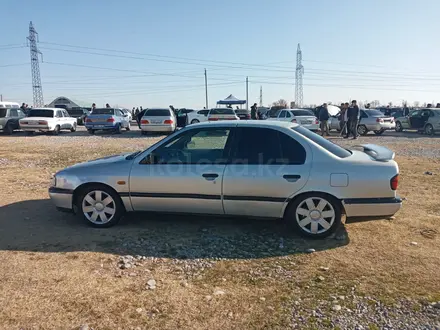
102,161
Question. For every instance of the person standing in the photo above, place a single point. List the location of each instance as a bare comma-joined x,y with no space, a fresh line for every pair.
323,119
254,114
93,108
353,119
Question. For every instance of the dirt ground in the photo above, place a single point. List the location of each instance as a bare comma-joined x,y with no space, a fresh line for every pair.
58,273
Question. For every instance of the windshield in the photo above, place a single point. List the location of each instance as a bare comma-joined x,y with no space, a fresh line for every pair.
2,113
41,113
103,111
157,113
374,113
302,113
324,143
222,112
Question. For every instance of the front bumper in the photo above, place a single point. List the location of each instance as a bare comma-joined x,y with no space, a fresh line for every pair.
62,198
372,207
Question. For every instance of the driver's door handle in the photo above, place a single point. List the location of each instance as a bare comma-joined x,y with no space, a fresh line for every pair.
210,176
292,177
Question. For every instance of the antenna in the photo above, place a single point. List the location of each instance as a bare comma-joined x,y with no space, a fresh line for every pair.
35,67
261,96
299,78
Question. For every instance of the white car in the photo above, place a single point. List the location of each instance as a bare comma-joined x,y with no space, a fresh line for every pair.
217,114
303,117
128,113
51,120
158,120
200,116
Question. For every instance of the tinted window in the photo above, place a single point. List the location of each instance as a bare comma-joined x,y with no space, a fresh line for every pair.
283,114
374,113
364,115
203,112
66,114
415,113
75,112
103,111
265,146
225,111
157,113
324,143
302,113
13,113
288,114
41,113
3,113
59,114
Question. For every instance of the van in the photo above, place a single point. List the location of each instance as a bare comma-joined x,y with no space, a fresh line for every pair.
10,114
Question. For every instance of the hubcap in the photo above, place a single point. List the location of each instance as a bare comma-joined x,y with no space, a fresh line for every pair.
315,215
429,129
98,207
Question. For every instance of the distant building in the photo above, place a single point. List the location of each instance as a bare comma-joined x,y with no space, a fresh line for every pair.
65,103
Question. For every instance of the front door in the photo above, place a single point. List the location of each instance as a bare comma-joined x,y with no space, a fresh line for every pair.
267,166
414,120
184,174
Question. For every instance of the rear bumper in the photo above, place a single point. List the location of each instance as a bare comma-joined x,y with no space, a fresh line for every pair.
157,128
62,198
371,207
36,129
382,127
100,127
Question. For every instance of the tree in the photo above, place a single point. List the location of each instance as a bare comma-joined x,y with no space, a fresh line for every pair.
281,103
416,104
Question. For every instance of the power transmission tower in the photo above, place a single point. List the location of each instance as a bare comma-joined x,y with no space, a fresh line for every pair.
261,96
299,78
35,67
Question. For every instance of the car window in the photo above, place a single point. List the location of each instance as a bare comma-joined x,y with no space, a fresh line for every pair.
363,114
265,146
223,111
59,114
282,114
65,113
13,113
425,113
202,146
20,113
288,114
322,142
3,112
103,111
374,113
302,113
415,113
203,112
157,113
41,113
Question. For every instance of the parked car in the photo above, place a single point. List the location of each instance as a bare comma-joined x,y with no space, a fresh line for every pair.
107,119
128,113
217,114
196,117
80,114
263,112
304,118
423,120
9,118
243,114
158,120
51,120
374,120
243,168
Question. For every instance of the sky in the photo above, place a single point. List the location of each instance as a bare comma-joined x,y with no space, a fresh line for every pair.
153,53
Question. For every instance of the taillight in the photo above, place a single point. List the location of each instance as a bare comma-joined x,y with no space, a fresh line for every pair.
168,122
293,120
316,121
394,182
24,122
110,120
144,122
42,122
88,120
379,120
248,116
212,119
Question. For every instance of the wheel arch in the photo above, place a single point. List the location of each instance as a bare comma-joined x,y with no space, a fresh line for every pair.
78,190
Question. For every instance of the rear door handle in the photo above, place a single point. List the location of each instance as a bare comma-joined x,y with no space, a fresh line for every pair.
292,177
210,176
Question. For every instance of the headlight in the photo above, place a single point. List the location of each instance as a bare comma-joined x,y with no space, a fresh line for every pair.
53,181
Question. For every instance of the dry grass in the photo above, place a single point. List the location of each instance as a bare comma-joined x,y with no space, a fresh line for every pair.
57,273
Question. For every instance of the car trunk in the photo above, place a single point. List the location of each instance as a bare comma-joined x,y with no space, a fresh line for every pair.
157,120
304,120
99,119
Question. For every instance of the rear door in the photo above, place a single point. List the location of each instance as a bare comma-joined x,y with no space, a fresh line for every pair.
14,118
282,115
59,119
184,174
266,167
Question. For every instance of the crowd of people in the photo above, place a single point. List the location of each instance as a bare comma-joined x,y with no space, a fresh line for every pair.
348,119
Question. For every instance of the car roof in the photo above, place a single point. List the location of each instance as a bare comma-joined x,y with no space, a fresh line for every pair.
47,109
244,123
158,109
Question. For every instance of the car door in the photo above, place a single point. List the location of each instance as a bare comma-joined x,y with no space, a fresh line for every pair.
59,118
289,116
411,120
282,115
182,174
13,118
121,117
68,121
266,167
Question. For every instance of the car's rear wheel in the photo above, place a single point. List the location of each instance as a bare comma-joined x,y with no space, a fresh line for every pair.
91,131
118,129
379,132
128,126
429,129
9,129
362,130
56,130
314,215
398,127
195,121
100,206
73,128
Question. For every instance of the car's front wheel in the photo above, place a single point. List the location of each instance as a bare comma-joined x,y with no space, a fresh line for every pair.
429,130
314,215
128,126
9,129
398,127
118,129
195,121
362,130
56,130
100,206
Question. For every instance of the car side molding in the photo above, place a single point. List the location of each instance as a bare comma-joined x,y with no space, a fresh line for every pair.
379,153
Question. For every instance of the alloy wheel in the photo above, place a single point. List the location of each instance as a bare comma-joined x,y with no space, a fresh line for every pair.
98,207
315,215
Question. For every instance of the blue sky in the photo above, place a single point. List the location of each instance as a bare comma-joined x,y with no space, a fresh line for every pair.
383,50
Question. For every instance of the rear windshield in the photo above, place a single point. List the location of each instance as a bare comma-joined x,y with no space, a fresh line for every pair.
302,113
75,112
324,143
40,113
157,113
103,111
222,112
2,113
374,113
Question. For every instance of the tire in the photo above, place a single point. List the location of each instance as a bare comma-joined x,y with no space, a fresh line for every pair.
73,129
379,132
9,129
128,128
362,130
91,131
118,129
298,212
429,129
144,133
195,121
57,130
99,206
398,127
29,132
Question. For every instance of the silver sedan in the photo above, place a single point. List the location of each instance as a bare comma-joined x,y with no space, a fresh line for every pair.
237,168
